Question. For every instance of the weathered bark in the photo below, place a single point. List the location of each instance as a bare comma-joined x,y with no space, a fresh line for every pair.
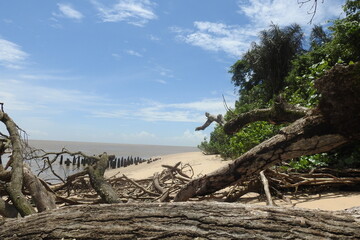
340,99
14,187
191,220
306,136
98,182
335,122
210,119
280,112
7,210
43,199
265,183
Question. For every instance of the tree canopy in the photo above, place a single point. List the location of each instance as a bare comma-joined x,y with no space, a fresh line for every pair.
268,62
279,65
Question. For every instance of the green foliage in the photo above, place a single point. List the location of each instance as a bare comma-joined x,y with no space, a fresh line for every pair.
218,143
309,162
250,136
277,64
345,157
345,44
267,63
300,89
318,37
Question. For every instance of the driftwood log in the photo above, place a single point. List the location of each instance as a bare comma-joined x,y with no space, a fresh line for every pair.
191,220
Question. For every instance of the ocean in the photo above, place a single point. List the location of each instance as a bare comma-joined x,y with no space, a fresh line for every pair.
117,149
92,148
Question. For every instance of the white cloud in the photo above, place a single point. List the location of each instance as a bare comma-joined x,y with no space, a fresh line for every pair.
67,11
205,105
284,12
154,38
133,53
116,56
162,71
143,136
231,39
135,12
235,40
189,138
48,77
8,21
161,81
174,112
11,55
27,96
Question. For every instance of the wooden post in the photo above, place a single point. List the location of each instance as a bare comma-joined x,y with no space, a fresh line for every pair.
67,162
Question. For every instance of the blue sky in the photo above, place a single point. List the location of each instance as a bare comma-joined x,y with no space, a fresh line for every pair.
129,71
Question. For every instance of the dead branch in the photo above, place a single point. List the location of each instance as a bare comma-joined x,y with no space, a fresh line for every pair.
312,10
140,187
98,182
281,112
265,183
43,199
14,187
210,119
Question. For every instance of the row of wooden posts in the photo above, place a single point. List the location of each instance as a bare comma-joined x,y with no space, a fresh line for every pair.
114,163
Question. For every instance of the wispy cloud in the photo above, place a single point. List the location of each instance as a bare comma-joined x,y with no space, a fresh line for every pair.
135,12
26,95
283,12
48,77
11,55
161,81
29,96
68,11
164,72
190,137
168,112
216,37
154,38
133,53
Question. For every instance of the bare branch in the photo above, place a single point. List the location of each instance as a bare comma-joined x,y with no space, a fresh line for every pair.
312,9
211,118
280,112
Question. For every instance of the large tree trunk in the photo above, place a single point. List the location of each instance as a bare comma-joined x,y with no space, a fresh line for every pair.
191,220
306,136
335,122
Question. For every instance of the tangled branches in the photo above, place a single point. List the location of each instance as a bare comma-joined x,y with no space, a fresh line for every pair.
162,187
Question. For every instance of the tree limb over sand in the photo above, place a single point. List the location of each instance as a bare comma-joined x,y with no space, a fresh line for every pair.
334,123
210,119
281,112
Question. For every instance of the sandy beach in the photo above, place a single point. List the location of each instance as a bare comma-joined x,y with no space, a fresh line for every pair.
204,164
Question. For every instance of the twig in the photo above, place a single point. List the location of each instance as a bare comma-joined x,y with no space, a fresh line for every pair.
139,186
266,188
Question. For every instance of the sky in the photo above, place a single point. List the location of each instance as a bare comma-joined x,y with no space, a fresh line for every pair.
130,71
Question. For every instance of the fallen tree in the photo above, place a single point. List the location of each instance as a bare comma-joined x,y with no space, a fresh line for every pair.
190,220
335,122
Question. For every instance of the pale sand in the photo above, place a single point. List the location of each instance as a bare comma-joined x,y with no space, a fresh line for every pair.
201,164
204,164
